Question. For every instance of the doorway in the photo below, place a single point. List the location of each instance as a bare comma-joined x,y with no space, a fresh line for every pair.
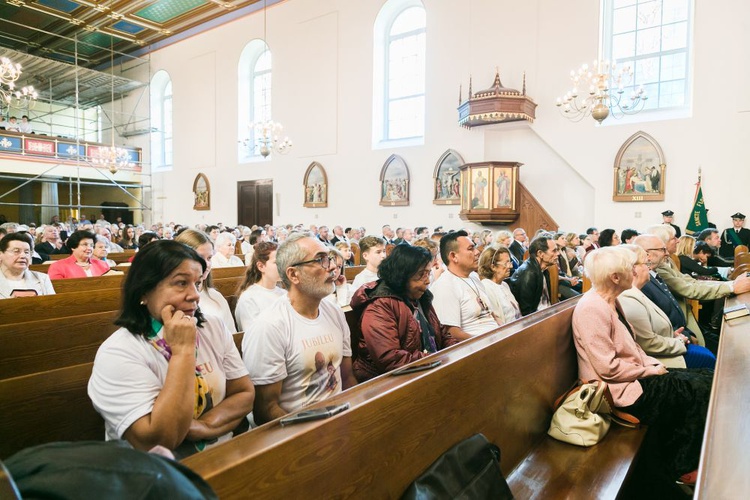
255,202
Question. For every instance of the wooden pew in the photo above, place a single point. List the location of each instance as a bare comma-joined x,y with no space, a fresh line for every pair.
356,254
121,257
352,272
90,284
228,286
47,406
725,460
502,384
740,249
227,272
59,306
50,344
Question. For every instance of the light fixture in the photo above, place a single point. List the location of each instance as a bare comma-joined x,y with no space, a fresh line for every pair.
599,91
267,134
25,98
268,137
112,158
9,73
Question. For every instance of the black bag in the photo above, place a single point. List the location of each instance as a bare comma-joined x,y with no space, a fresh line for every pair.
470,470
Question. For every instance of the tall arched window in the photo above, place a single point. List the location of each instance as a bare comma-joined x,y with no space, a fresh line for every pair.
399,73
161,121
654,38
254,97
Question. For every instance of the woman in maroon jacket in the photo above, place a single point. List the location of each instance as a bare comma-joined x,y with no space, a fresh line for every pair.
397,321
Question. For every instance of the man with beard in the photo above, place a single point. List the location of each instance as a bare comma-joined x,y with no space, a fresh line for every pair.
460,300
288,340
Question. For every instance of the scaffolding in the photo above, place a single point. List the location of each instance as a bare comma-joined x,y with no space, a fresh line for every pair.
103,105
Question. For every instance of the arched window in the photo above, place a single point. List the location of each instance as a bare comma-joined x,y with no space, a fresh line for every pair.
399,73
161,121
254,97
654,38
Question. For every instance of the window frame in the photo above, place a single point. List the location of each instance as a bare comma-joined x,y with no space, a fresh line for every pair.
159,83
247,106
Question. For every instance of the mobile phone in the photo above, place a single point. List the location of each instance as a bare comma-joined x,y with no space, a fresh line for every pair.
416,368
314,414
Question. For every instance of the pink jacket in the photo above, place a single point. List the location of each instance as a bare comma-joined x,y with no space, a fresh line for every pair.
67,268
607,351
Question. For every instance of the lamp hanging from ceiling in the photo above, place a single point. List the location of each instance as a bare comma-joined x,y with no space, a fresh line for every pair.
599,91
266,134
10,72
112,158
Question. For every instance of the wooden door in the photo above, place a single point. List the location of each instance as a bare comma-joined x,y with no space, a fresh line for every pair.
255,202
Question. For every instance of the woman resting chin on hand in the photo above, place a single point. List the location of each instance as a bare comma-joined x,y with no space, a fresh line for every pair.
169,376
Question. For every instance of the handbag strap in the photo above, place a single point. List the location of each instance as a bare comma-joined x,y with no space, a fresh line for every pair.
619,416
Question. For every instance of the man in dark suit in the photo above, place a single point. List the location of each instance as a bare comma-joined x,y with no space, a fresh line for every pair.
667,218
713,240
52,245
338,235
734,236
518,246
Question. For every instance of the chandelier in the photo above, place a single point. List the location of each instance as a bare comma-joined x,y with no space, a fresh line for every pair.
268,138
112,158
600,91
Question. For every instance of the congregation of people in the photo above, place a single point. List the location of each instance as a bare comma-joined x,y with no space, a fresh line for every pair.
171,375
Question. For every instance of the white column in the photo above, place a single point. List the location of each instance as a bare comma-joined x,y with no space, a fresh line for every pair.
49,197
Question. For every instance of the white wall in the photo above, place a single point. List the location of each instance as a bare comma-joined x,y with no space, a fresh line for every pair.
322,93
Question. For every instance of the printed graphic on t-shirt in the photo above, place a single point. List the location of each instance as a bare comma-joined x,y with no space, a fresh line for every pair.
322,362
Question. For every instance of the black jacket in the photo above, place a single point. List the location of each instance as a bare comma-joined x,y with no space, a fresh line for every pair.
527,286
517,250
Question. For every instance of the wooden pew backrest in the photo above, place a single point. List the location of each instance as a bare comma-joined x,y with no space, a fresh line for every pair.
47,406
352,272
59,306
82,284
49,344
485,384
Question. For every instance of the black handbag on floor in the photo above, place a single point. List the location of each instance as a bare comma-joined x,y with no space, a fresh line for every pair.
470,470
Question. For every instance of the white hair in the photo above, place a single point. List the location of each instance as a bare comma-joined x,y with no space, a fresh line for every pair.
223,237
664,232
602,262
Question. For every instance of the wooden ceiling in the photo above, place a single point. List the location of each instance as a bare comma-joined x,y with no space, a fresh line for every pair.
83,32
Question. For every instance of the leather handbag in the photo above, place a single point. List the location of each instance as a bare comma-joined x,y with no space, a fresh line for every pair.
469,470
583,418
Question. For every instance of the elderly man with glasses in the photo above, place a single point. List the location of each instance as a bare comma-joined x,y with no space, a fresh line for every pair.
298,351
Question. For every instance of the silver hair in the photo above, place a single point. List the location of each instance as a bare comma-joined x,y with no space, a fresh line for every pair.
664,232
221,239
290,252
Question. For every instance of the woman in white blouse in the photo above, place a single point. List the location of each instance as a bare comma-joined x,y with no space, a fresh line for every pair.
15,278
225,252
258,291
212,301
494,268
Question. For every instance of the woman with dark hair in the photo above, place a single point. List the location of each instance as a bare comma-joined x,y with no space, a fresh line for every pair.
258,291
15,278
128,240
79,264
608,238
169,376
397,320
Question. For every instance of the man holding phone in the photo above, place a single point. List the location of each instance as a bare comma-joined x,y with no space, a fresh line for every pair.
298,351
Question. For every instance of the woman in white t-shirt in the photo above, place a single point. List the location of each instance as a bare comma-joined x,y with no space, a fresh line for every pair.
212,301
494,267
170,376
259,290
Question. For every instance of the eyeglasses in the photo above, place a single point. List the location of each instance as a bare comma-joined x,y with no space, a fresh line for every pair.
420,276
324,261
662,249
18,251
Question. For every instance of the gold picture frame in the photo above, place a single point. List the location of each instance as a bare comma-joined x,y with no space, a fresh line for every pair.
640,170
394,182
201,193
447,179
315,186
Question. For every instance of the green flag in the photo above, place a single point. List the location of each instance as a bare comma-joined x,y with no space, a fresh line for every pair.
698,217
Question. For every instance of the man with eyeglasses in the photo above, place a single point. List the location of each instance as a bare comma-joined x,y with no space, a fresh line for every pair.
298,351
659,243
459,297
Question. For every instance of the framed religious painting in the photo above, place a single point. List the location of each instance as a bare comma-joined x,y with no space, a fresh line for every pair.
447,179
316,186
201,193
394,182
479,188
640,170
504,187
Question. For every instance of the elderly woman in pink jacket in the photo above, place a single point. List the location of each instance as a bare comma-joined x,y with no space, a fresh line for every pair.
673,403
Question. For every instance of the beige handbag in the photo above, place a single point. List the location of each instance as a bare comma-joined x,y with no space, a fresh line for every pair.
583,418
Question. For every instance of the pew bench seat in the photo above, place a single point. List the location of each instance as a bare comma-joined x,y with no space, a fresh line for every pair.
554,469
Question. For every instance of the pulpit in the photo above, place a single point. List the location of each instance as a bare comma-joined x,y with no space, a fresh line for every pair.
490,192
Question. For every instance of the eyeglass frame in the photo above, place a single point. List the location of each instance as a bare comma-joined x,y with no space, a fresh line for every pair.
319,260
662,249
18,251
